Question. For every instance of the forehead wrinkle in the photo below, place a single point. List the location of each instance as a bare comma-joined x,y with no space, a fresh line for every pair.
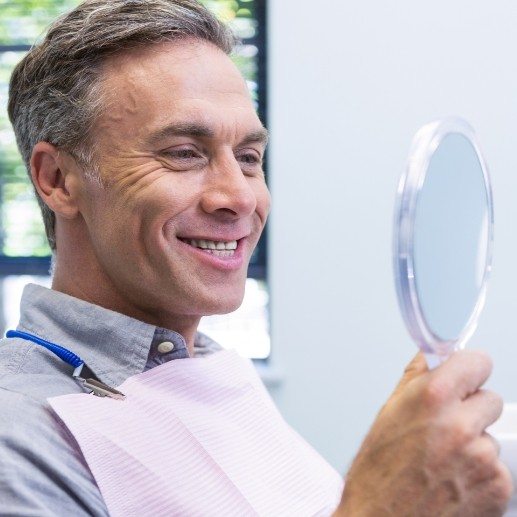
134,81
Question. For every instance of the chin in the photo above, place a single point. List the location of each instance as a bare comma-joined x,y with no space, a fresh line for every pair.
223,305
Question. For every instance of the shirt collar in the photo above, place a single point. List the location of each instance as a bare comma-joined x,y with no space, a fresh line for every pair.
113,345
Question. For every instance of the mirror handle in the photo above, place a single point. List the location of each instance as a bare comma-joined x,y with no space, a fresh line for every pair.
434,360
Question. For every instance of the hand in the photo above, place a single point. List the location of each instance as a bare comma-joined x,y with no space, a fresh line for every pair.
427,453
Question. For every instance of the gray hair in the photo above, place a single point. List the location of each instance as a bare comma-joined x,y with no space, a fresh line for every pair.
55,92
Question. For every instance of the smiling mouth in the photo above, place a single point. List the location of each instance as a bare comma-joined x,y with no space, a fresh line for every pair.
217,248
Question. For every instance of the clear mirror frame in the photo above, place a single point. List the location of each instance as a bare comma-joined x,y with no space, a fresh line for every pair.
425,143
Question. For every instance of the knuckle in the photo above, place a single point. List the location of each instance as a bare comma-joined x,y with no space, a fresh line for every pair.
499,491
481,358
495,400
492,497
491,397
504,483
485,456
502,489
436,392
461,433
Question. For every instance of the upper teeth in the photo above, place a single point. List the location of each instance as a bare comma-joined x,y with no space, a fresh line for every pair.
213,245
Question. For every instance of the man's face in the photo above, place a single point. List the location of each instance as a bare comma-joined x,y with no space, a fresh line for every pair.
180,152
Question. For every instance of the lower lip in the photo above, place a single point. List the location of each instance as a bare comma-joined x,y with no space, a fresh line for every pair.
232,263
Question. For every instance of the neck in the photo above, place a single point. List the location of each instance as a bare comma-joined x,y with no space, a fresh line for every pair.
78,274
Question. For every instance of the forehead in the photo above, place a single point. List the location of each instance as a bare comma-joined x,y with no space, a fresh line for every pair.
190,79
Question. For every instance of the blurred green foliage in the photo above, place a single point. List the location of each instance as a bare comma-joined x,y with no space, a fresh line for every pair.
23,22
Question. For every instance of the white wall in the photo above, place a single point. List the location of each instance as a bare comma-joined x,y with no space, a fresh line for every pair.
350,82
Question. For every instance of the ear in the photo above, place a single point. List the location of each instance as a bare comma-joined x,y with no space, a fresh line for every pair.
49,176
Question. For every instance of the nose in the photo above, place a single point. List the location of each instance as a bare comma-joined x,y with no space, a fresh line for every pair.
228,191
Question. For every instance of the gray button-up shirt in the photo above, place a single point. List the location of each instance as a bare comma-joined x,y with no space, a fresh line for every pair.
42,472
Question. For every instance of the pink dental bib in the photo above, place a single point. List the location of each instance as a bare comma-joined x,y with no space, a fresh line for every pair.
198,437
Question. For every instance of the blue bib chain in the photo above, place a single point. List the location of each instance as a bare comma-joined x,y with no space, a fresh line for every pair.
66,355
97,387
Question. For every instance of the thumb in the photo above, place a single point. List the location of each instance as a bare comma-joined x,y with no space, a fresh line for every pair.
414,369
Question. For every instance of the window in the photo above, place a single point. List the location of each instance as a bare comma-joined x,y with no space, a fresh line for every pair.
23,246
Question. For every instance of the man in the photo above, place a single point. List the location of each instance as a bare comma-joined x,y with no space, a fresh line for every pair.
146,155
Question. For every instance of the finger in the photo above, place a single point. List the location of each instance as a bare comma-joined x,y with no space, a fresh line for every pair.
465,371
490,498
482,409
414,369
495,443
483,462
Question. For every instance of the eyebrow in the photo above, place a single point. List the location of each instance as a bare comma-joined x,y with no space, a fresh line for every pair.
260,136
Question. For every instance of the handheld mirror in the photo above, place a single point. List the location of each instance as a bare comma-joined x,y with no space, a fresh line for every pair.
443,238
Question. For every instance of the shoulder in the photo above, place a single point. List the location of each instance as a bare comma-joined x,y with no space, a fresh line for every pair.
30,369
12,355
205,345
42,471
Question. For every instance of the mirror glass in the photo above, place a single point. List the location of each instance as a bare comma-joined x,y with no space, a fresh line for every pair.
443,237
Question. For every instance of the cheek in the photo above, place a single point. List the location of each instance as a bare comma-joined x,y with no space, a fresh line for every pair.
125,221
168,209
99,215
263,197
156,202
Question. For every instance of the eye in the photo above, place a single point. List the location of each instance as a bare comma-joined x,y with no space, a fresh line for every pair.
182,154
250,160
184,157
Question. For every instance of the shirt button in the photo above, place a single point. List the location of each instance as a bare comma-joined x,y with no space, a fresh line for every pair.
165,347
